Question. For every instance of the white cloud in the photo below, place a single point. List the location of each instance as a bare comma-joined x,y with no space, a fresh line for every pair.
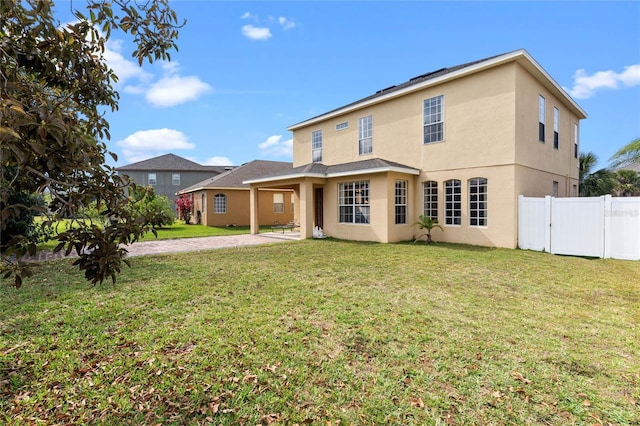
248,15
145,144
275,146
218,161
256,33
174,90
585,86
285,23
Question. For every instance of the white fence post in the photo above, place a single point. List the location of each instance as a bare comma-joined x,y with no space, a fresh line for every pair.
548,205
606,205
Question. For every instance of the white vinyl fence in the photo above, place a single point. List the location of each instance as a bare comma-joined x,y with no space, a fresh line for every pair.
587,226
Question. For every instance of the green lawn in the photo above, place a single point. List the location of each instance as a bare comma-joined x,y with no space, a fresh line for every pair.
327,332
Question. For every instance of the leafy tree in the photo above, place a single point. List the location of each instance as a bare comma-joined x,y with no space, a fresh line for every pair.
627,155
427,223
54,89
185,207
156,208
594,183
627,183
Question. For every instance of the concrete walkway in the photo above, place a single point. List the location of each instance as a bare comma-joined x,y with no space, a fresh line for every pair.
152,246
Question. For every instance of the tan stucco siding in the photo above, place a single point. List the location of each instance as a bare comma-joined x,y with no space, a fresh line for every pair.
479,127
530,151
501,220
238,212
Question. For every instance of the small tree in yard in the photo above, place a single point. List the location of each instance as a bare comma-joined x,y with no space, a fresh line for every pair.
185,207
426,223
55,87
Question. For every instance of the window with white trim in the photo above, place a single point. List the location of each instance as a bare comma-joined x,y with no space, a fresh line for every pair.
433,114
278,202
541,117
430,195
316,146
401,202
556,124
219,203
478,202
453,202
353,202
175,179
365,135
151,179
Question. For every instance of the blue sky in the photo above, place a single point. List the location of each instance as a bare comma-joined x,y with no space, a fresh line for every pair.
245,71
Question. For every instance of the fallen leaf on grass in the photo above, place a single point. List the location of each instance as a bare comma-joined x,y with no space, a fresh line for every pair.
518,376
417,402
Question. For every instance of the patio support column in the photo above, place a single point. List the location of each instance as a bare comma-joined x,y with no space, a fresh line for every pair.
306,209
253,210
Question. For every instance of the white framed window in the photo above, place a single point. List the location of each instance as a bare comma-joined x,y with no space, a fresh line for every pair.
175,179
430,196
478,202
353,202
401,202
541,117
365,135
219,203
316,146
342,126
556,125
575,140
278,202
433,113
453,202
151,179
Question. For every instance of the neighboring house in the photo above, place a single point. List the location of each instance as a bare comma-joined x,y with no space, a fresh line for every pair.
458,144
224,199
169,173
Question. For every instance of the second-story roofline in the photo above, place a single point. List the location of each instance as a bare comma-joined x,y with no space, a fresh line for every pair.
442,75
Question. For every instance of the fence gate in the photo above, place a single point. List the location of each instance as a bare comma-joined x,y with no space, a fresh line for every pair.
588,226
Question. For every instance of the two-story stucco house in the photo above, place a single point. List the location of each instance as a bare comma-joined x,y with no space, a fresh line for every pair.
169,173
458,144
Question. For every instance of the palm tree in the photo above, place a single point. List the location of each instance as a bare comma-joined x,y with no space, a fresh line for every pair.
594,183
627,155
627,183
427,223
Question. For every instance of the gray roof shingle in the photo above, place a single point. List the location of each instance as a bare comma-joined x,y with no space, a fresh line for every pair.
235,178
171,162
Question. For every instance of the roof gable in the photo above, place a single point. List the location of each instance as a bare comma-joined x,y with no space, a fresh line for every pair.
171,162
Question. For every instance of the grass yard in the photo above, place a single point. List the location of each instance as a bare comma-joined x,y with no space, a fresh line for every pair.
327,332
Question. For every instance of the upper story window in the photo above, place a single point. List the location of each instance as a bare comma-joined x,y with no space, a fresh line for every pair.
342,126
219,203
175,179
401,202
278,202
575,141
353,202
365,135
453,202
316,146
430,194
151,179
541,117
433,112
556,125
478,202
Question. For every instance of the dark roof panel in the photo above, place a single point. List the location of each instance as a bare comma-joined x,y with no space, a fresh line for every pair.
171,162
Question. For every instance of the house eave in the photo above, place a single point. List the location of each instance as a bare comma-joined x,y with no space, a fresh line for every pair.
521,56
414,172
